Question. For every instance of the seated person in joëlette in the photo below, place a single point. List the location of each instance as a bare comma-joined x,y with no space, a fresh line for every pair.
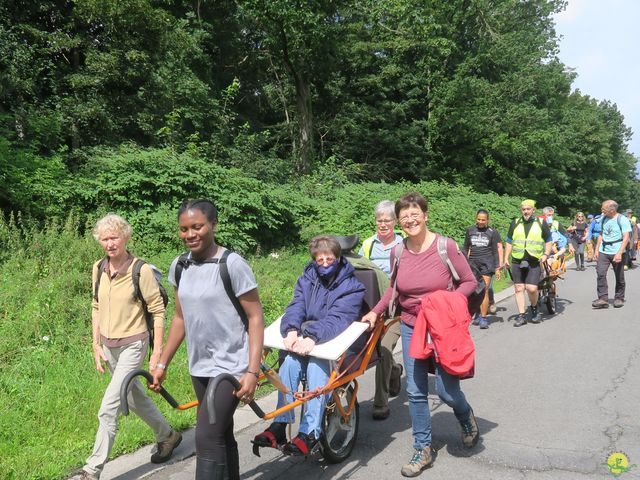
326,300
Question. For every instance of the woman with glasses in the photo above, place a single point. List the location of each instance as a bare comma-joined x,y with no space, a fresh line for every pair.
326,300
421,271
377,248
578,237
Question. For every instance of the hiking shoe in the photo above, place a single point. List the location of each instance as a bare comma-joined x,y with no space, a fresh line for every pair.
492,308
618,302
470,431
84,475
165,449
483,323
600,303
395,382
301,445
381,413
275,436
535,315
421,460
476,319
521,320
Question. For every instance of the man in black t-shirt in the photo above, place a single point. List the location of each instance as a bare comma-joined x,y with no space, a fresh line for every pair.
483,246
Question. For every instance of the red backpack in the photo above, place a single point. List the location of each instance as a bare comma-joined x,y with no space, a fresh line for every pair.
442,330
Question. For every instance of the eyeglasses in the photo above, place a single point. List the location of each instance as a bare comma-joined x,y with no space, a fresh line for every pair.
381,221
325,259
412,217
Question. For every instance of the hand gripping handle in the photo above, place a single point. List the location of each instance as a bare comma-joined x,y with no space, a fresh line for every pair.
124,388
209,396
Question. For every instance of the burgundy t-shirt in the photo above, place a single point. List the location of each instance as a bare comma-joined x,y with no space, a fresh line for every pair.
423,273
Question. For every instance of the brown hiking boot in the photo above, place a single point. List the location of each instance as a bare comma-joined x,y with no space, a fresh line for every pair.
165,449
84,475
421,460
600,303
470,431
618,302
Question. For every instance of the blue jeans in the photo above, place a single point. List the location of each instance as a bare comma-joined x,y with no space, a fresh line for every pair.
317,372
447,387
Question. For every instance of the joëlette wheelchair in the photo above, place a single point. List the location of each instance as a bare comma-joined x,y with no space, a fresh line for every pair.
547,288
354,352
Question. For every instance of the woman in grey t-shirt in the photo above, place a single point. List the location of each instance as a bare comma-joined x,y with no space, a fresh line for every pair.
217,340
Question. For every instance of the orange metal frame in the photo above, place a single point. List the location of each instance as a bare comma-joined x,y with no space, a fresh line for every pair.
336,379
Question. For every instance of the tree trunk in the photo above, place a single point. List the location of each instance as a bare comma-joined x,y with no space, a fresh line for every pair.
305,125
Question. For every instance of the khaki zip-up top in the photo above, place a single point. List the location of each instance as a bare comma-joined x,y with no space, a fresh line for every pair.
120,314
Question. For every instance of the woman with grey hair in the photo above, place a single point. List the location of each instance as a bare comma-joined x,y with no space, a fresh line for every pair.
377,248
121,339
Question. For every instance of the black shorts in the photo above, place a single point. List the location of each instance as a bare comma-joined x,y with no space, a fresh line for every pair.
529,275
483,266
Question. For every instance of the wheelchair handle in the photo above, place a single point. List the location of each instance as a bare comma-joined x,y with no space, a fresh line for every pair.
209,396
124,388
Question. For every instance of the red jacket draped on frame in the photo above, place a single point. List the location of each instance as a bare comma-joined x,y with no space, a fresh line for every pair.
444,316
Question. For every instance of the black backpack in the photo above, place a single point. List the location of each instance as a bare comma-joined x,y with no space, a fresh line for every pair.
137,293
184,261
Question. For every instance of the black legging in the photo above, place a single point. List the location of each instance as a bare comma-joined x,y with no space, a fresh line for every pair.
216,442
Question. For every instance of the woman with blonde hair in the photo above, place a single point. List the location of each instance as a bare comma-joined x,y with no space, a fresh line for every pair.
121,339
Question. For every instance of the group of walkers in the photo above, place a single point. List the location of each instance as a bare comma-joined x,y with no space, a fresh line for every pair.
219,314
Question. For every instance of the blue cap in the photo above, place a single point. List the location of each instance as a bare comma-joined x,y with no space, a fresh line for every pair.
589,216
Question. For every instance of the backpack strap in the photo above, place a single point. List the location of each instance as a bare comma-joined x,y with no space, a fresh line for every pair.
226,282
397,253
137,295
444,256
96,282
184,261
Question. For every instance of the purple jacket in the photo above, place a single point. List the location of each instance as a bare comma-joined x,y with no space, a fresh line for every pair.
321,311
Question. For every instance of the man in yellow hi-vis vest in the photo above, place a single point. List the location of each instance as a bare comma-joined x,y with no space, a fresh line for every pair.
528,243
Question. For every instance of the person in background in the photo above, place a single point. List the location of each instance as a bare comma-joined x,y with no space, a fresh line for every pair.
588,243
378,249
483,247
218,340
578,236
594,232
633,239
121,339
528,245
421,271
610,251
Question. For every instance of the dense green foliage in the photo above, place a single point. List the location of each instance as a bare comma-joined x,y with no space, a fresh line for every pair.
470,92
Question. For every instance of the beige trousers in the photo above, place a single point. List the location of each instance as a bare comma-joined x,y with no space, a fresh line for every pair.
122,361
385,365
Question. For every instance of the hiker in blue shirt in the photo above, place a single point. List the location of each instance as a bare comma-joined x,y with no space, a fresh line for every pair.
593,232
611,251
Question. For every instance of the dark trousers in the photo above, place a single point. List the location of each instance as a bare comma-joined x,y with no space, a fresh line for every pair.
618,269
216,442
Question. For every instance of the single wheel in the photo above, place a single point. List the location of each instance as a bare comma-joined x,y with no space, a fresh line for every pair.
551,303
339,437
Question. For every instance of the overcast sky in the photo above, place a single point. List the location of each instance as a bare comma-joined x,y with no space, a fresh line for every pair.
601,40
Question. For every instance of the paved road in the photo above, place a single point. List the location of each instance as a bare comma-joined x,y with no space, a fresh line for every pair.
553,401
